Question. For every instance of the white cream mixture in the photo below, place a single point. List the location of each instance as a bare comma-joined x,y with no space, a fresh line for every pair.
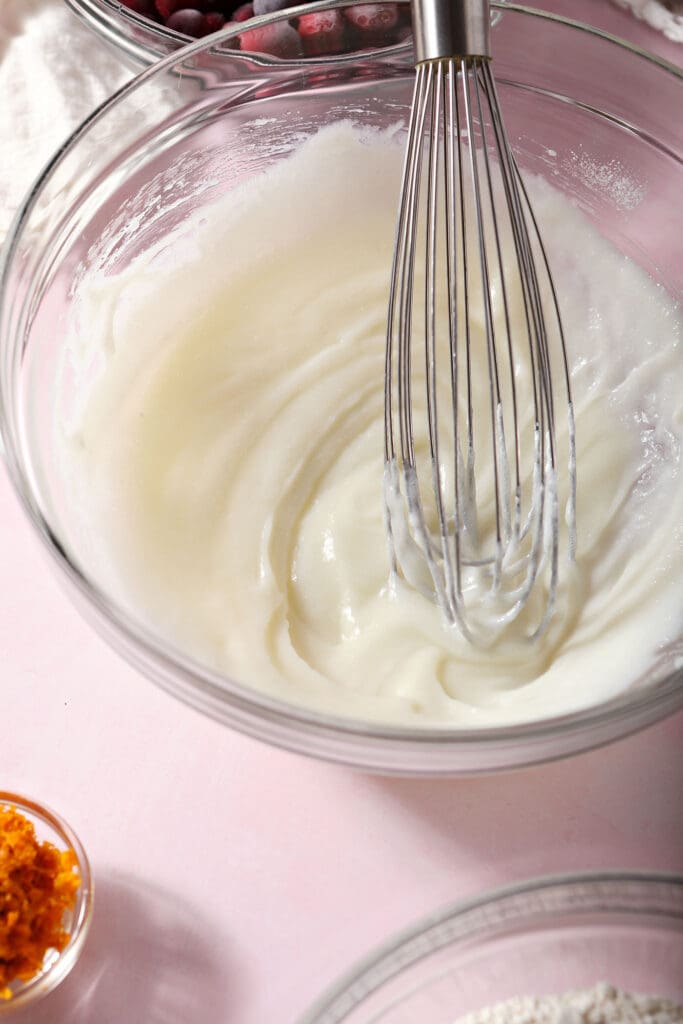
227,463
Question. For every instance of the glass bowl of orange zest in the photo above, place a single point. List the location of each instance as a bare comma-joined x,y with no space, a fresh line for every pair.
46,897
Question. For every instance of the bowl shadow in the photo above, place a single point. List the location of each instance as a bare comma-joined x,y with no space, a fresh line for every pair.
147,960
616,807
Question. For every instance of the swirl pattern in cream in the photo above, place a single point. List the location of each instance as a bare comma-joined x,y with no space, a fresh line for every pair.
228,460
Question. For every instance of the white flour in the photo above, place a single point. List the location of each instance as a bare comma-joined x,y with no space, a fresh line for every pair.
53,73
603,1004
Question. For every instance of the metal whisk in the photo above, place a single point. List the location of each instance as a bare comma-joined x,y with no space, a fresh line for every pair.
479,426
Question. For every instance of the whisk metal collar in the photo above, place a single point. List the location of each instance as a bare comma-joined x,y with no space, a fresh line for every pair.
451,28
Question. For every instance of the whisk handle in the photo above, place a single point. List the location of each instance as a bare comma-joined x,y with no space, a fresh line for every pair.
451,28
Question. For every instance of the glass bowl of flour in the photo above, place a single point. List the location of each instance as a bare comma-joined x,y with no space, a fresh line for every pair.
573,949
192,343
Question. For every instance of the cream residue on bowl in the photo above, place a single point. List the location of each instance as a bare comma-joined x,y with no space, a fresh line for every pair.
226,465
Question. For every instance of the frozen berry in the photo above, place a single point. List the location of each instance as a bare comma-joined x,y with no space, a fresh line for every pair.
243,12
213,22
404,14
168,7
270,6
278,39
321,32
373,22
187,21
403,33
146,8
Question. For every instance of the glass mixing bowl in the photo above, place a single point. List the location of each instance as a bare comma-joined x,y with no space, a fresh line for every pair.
543,937
597,117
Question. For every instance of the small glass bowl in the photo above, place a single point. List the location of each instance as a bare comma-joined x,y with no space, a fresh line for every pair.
143,41
135,37
542,937
49,827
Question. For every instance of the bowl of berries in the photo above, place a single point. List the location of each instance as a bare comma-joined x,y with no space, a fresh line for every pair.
146,30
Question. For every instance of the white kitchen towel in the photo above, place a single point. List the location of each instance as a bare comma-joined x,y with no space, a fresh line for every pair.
53,73
670,22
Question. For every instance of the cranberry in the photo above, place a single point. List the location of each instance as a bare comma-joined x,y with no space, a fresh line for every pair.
404,14
373,22
321,32
168,7
243,12
279,39
144,7
213,21
188,22
402,33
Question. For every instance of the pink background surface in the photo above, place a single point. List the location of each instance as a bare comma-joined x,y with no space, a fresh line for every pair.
234,881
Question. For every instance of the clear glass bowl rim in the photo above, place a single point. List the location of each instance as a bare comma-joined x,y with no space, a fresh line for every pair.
255,713
47,980
437,924
108,15
110,18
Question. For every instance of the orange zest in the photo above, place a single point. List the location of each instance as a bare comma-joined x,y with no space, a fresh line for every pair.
38,884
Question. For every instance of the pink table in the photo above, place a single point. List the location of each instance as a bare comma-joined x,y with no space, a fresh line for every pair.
234,882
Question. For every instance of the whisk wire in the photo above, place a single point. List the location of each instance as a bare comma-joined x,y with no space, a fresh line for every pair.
430,326
453,570
470,83
481,556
